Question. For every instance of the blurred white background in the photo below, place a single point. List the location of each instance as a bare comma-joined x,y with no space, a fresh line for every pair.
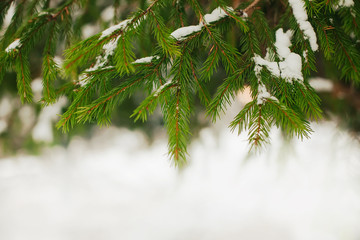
118,186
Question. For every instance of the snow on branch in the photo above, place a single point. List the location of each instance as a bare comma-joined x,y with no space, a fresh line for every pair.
109,48
181,33
263,94
290,66
159,90
14,45
146,59
217,14
301,17
122,25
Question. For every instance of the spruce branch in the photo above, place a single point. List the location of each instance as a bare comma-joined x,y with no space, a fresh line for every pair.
101,109
226,50
23,78
226,92
151,102
203,93
90,47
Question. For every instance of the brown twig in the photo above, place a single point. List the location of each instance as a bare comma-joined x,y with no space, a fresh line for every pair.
251,6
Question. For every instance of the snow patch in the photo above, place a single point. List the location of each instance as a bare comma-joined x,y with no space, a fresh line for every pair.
217,14
290,66
101,61
158,91
283,43
263,94
83,79
146,59
14,45
110,47
116,185
122,25
273,67
181,33
43,13
301,16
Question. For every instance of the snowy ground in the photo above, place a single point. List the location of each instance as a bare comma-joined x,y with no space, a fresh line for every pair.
105,188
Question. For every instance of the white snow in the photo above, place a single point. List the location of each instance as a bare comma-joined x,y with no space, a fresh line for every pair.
146,59
122,25
156,93
98,68
283,43
101,61
263,94
217,14
83,79
58,60
110,47
14,45
301,16
273,67
117,185
181,33
43,13
305,55
290,66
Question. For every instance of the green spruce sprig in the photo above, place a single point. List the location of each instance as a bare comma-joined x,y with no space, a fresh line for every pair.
190,46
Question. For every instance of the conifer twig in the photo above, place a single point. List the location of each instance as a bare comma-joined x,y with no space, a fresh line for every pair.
251,6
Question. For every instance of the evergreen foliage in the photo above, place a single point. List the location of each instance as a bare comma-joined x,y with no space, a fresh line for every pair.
274,52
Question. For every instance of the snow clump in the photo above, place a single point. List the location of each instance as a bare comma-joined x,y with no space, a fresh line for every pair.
290,66
14,45
301,16
217,14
